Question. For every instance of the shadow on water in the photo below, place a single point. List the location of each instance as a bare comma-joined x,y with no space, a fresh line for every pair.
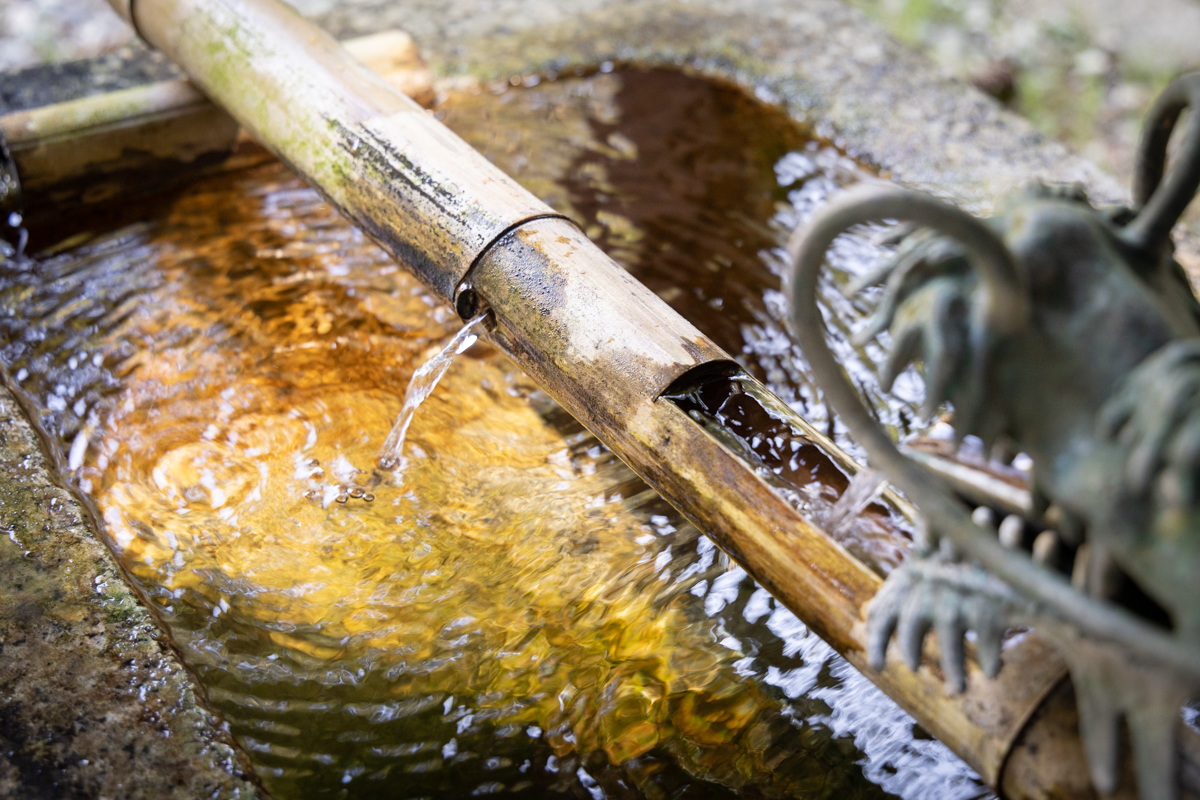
517,614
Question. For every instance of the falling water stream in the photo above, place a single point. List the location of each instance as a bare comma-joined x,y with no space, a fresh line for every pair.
517,613
422,384
864,490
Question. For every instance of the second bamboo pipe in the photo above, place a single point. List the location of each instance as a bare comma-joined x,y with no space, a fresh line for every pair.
110,147
595,339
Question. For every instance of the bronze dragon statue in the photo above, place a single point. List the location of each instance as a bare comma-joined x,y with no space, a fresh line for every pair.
1070,333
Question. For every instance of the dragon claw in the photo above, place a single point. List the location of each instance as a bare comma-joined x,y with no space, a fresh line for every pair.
951,628
1109,687
925,307
945,596
1152,415
882,616
1182,458
915,622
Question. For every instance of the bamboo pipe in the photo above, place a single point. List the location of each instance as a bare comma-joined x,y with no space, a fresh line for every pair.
416,188
605,347
140,141
595,339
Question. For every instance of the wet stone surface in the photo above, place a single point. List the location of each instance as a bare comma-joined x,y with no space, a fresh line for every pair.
91,703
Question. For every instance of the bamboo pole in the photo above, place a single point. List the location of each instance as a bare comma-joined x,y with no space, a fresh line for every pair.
605,347
397,173
597,341
140,141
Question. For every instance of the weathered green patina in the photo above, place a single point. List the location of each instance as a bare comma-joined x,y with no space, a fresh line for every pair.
1067,332
92,702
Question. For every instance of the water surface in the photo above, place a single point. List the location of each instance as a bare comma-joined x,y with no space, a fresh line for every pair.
513,612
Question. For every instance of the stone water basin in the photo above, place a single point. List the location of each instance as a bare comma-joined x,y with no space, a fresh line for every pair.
513,612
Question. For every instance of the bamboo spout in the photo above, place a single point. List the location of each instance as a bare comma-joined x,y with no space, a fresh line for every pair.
597,341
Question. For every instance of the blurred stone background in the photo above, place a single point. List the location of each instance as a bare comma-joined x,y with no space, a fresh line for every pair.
1083,71
40,31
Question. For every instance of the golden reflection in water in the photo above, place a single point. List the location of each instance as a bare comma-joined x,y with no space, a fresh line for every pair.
511,612
501,571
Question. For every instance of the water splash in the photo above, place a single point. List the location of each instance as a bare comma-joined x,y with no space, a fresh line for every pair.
422,385
864,489
16,252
